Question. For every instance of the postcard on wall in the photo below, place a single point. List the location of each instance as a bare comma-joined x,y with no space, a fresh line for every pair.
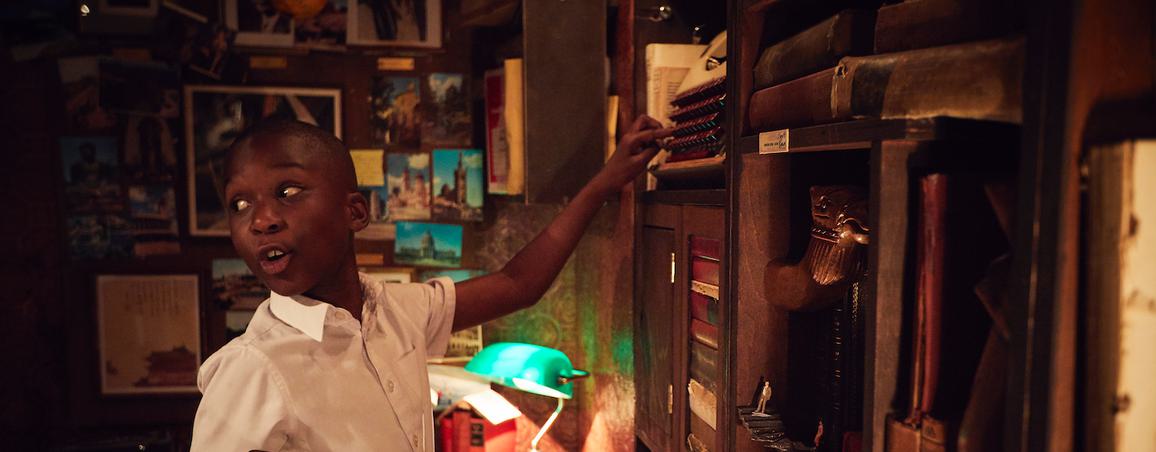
369,165
144,88
398,23
215,115
497,147
325,29
153,211
80,77
408,181
259,23
457,184
149,333
99,237
149,151
446,117
235,287
428,244
396,119
209,50
91,176
457,275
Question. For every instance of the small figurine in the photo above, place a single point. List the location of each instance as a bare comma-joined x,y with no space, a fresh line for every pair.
761,410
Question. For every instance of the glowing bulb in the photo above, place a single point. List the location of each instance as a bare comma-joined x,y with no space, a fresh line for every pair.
84,10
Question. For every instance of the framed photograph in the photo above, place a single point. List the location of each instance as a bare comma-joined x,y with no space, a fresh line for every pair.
326,29
236,322
428,244
457,183
397,23
259,23
235,287
408,181
446,116
80,77
215,115
396,119
91,168
149,333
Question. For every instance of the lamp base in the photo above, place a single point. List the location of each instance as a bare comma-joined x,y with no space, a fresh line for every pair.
549,423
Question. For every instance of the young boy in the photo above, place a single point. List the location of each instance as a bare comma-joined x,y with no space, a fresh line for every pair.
333,361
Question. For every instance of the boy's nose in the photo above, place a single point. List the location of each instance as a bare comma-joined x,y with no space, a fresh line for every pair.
266,220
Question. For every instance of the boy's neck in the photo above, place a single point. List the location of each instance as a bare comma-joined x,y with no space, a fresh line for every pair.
344,292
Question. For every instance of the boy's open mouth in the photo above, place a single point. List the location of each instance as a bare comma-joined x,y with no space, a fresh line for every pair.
274,259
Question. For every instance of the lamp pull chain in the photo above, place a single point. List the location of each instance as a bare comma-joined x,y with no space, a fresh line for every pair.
546,426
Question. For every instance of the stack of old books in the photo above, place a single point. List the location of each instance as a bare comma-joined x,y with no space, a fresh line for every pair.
906,60
698,122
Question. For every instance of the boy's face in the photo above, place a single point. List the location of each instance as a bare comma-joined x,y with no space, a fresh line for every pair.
289,217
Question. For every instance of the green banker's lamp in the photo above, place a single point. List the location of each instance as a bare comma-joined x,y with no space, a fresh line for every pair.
531,368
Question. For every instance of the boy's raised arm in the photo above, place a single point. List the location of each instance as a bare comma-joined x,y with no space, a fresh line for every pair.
527,276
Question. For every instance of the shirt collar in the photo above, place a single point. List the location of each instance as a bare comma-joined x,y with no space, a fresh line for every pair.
301,312
307,314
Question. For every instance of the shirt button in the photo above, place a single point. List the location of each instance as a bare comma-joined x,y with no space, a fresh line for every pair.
389,386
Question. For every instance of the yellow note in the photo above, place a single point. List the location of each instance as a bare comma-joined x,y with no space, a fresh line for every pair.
368,164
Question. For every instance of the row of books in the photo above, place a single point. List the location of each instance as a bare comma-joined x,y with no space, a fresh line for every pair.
887,63
703,346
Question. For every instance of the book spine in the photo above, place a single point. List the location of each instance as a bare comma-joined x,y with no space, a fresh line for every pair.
980,80
704,333
848,33
704,270
704,365
800,102
704,308
916,24
930,256
703,403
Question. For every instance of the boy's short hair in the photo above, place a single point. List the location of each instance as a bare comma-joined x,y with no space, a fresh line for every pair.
317,140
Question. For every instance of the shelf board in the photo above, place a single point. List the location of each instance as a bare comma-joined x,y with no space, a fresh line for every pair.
712,197
858,135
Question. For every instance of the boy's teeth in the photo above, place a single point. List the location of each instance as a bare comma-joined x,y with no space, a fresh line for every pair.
273,254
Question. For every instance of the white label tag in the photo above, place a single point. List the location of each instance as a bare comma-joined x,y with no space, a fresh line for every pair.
775,141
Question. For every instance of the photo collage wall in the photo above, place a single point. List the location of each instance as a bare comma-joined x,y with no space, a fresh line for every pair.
146,132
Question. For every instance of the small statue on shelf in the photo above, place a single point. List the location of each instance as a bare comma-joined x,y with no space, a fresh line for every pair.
835,256
763,398
765,424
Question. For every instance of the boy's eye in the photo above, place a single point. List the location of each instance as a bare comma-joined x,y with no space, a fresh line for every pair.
240,205
289,191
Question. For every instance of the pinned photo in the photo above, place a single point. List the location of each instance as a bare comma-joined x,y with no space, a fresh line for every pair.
408,181
457,183
396,119
235,287
446,117
428,244
90,174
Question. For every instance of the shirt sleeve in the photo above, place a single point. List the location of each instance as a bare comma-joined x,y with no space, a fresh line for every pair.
245,404
442,302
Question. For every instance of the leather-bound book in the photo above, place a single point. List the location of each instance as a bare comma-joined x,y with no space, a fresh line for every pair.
800,102
980,80
704,365
916,24
821,46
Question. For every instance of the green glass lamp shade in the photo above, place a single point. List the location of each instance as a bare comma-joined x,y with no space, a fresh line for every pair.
531,368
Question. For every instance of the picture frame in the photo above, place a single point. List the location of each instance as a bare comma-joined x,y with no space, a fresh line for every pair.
145,8
259,24
216,114
374,23
149,333
400,275
428,244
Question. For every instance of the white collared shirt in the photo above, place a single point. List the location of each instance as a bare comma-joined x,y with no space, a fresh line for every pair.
306,375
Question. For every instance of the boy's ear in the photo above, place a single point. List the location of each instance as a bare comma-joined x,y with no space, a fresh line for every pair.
358,208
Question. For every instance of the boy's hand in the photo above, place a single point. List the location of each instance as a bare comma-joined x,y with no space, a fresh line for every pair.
638,146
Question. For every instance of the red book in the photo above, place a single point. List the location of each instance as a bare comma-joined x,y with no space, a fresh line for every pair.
705,247
703,308
704,270
704,332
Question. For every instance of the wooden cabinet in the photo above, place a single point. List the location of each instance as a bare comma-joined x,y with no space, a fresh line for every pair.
679,342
